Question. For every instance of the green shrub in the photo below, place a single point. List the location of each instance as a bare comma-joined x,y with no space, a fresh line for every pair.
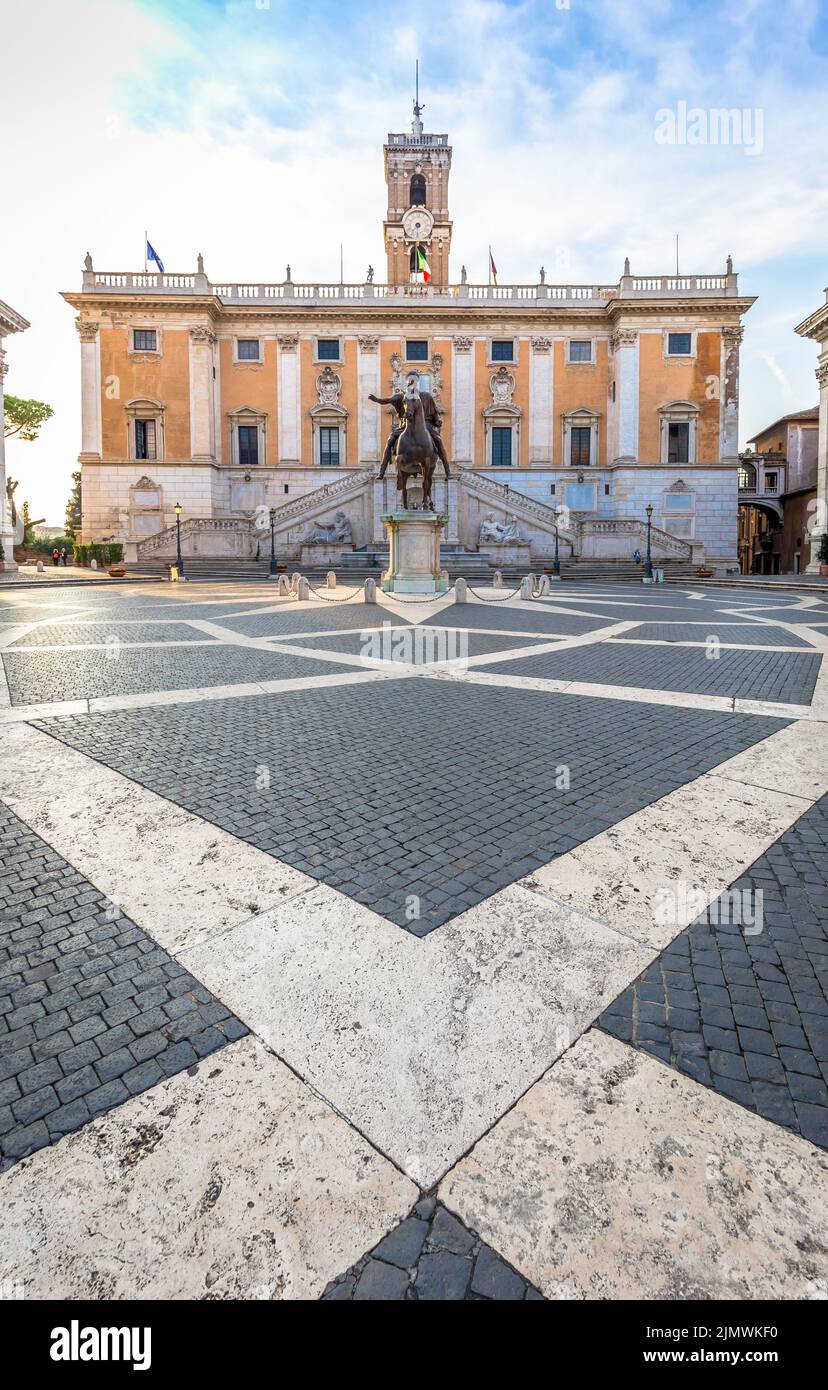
822,553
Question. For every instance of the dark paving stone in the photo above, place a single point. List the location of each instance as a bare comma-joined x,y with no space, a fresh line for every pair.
113,633
778,676
420,643
726,630
34,677
291,618
431,1256
483,806
532,618
45,1096
770,1058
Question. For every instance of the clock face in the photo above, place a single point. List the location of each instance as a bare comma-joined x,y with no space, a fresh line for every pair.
417,224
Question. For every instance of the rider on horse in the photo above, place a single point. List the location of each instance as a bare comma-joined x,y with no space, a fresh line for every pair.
433,423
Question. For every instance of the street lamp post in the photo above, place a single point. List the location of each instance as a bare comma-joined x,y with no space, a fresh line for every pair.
178,560
648,568
556,567
272,543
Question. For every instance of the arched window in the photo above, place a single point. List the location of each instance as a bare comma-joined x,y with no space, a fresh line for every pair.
418,191
747,477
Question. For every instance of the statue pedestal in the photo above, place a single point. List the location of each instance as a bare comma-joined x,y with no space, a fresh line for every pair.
502,553
414,558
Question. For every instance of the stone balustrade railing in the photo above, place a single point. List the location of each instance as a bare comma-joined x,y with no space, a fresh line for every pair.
633,527
295,293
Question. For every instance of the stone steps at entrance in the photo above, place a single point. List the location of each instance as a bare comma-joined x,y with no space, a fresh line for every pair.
372,561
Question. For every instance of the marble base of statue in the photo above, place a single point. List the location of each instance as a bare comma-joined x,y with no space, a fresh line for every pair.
414,553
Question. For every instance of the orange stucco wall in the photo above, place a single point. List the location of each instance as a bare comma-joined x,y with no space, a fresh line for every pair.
252,384
580,385
126,376
662,380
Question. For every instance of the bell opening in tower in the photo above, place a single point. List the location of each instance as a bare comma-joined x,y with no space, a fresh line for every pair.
417,191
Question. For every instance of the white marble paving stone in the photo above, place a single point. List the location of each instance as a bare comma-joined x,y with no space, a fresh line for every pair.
793,760
702,836
422,1044
236,1182
616,1177
179,877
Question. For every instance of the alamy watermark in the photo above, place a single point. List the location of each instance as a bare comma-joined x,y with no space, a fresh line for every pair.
743,127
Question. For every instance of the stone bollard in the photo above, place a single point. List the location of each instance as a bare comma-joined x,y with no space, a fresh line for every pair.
331,580
370,594
526,586
294,581
461,591
497,580
444,575
40,567
284,585
93,564
302,589
544,586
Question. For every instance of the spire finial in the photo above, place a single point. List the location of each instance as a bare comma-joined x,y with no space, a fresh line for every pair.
416,124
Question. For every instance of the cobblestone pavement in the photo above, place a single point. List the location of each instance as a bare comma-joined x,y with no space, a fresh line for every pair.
431,1256
466,826
521,1137
746,1011
779,676
35,677
92,1011
86,633
732,631
436,644
499,618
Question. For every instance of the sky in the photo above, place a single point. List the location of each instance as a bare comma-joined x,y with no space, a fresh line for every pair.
583,132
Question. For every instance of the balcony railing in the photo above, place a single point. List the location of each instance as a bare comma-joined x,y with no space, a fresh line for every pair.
406,138
293,292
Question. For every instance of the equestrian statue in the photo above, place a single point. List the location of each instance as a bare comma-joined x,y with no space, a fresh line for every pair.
414,443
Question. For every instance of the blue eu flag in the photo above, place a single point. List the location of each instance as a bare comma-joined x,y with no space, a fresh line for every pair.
152,255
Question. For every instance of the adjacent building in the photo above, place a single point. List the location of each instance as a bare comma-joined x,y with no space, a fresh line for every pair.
816,328
235,399
777,495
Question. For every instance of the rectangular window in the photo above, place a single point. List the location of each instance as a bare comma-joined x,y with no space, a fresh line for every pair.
679,344
502,446
771,482
327,349
580,351
329,446
247,349
248,445
503,350
416,350
579,447
144,340
678,443
145,439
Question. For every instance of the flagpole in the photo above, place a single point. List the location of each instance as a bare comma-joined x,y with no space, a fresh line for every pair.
490,265
145,252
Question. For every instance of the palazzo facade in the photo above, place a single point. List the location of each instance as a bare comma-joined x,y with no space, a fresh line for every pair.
234,399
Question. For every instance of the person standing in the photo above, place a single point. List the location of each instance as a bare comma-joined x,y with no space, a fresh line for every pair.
55,556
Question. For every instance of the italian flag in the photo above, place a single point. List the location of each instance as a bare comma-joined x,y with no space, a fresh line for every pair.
423,265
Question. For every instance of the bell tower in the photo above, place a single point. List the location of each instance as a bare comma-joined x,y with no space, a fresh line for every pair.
417,167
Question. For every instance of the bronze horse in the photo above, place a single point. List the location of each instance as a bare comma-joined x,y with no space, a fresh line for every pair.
415,453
